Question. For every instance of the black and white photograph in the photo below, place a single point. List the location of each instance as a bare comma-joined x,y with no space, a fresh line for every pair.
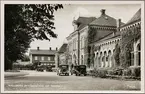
74,47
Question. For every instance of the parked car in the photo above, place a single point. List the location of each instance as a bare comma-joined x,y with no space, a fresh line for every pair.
40,68
63,70
80,70
49,68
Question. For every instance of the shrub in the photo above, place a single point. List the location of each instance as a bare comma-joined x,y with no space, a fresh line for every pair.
99,73
102,73
135,71
110,72
127,72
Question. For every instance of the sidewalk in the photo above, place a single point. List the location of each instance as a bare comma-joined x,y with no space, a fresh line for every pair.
13,74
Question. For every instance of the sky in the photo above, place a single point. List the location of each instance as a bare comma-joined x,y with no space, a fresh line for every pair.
65,16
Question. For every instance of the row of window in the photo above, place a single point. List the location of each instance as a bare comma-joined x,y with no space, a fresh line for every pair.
73,45
42,58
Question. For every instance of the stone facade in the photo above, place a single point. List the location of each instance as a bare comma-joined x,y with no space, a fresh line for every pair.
93,44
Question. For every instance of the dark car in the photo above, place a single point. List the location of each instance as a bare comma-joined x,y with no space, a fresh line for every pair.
49,68
80,70
40,68
63,70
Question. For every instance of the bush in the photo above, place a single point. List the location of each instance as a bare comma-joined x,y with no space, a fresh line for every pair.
135,71
127,72
110,72
99,73
102,73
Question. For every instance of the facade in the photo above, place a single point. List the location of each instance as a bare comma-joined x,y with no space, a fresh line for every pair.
134,26
62,54
77,40
93,43
44,57
103,36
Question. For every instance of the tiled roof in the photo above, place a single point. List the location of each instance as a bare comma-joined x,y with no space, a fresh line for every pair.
42,52
63,48
105,20
136,17
84,21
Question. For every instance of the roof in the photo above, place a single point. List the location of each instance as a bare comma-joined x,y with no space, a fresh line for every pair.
105,20
136,17
63,48
42,52
84,21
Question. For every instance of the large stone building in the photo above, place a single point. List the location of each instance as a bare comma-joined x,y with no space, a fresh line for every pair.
97,38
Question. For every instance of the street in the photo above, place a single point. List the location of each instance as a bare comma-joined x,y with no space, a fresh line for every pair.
49,81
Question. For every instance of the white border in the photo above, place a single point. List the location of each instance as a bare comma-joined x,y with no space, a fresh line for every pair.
72,2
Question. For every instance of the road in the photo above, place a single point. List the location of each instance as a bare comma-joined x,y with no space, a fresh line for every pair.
46,81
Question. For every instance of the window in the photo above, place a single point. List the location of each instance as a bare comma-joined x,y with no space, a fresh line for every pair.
48,58
42,58
52,58
36,58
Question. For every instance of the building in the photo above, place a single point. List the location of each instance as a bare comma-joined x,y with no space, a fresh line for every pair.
103,36
44,57
77,40
133,29
62,53
93,41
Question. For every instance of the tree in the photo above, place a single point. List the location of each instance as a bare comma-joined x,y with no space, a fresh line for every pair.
25,58
23,24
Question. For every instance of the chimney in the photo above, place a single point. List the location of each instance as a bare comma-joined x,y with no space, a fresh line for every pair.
102,11
37,48
49,48
56,48
118,24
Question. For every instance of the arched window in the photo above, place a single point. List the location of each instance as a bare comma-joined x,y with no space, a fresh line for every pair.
138,54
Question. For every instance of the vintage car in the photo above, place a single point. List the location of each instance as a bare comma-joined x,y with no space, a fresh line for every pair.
63,70
40,68
80,70
49,68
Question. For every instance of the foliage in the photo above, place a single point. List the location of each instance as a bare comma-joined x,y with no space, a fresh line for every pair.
117,54
25,58
136,71
91,35
102,72
128,38
132,71
23,24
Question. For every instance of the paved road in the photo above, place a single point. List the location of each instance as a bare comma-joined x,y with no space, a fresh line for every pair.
46,81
